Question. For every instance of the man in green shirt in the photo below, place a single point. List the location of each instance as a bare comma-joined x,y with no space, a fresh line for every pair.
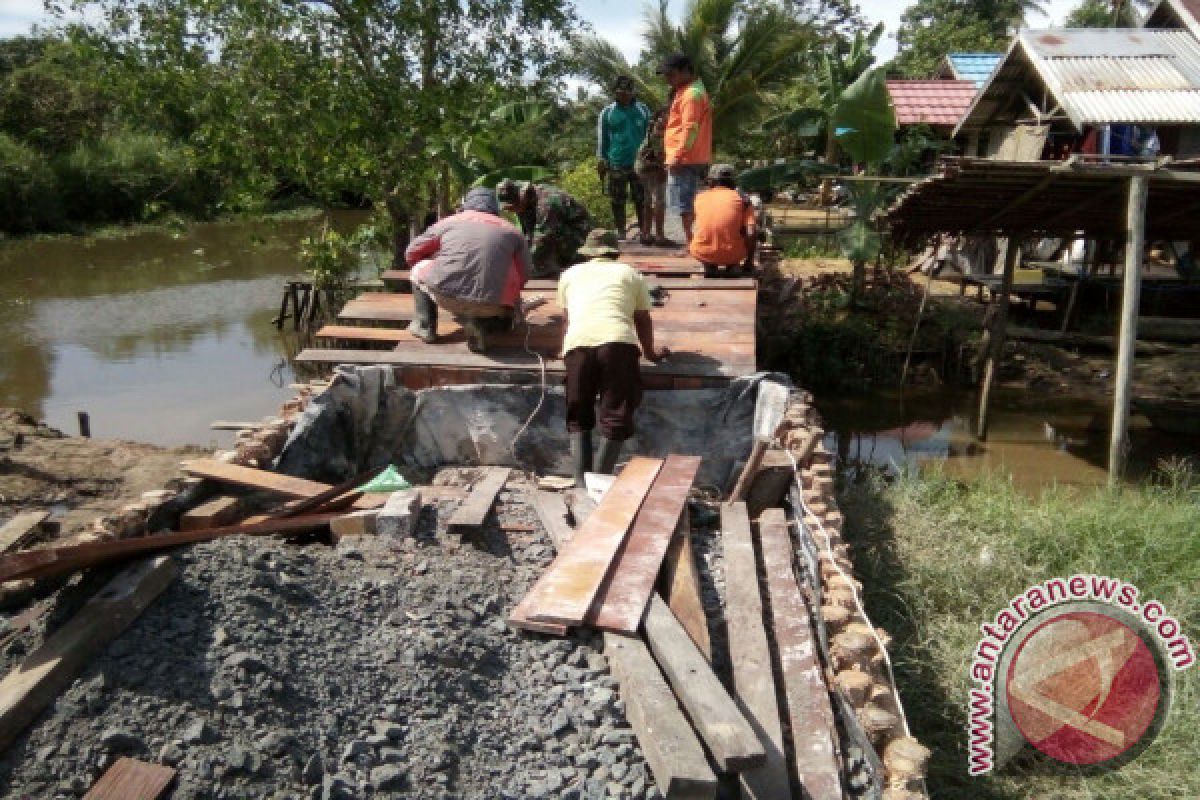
620,131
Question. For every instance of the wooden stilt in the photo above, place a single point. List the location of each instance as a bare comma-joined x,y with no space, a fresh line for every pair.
1135,244
996,340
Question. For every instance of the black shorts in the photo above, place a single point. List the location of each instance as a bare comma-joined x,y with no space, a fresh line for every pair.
611,375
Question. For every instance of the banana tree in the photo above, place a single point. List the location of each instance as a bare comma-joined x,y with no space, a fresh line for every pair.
864,123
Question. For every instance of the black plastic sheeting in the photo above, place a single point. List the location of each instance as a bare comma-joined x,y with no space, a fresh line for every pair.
365,420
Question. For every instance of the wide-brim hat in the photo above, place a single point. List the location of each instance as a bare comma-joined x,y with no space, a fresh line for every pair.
600,242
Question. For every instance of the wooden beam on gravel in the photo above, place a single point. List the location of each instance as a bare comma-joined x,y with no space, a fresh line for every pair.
49,561
264,480
679,584
221,510
674,754
130,779
809,712
750,651
565,591
621,601
21,528
730,738
472,513
668,742
43,674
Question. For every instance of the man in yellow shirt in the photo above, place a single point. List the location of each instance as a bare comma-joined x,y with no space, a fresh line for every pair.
606,316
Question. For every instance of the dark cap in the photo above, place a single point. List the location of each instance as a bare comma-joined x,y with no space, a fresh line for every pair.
675,61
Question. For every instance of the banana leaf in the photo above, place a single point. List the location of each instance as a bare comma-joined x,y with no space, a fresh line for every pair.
864,120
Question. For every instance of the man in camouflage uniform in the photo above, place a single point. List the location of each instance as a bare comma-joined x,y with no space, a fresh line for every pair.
554,222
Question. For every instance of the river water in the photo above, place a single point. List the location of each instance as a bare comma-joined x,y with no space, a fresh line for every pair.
153,334
157,334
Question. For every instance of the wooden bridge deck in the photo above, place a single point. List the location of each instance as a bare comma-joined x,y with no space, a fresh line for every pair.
709,325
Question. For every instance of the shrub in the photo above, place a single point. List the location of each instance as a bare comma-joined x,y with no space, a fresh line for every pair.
582,183
29,198
127,176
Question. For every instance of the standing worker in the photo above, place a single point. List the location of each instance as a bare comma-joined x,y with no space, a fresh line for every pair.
554,222
726,226
651,168
606,316
473,264
687,139
620,131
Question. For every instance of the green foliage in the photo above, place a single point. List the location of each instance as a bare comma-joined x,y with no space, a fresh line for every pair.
773,176
929,29
130,176
864,120
330,258
49,98
582,183
1099,14
28,189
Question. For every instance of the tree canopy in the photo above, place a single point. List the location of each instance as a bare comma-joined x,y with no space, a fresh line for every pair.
929,29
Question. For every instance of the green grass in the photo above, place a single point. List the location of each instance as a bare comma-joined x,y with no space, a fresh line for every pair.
939,557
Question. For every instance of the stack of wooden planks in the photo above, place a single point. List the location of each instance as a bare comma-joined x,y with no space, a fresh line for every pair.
776,728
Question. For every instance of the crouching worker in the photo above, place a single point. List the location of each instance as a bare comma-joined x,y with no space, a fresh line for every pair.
606,305
473,264
725,233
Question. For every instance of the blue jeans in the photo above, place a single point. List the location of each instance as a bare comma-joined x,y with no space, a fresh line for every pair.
682,186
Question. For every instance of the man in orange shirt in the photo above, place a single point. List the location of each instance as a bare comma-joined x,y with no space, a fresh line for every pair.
687,138
725,225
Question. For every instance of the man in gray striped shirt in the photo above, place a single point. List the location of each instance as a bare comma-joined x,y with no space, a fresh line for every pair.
620,131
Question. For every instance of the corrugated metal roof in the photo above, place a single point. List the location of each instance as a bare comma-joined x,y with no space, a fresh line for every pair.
1104,75
936,103
976,67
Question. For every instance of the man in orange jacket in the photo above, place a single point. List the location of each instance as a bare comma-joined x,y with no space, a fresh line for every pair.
687,138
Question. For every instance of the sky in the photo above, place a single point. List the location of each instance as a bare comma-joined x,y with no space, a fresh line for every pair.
619,21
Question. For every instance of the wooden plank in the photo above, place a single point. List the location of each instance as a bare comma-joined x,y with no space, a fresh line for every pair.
809,713
20,529
622,599
564,592
43,674
680,586
731,740
264,480
473,511
667,741
750,652
219,511
70,558
130,779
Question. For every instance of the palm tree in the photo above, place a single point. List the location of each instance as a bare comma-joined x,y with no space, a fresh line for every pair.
742,51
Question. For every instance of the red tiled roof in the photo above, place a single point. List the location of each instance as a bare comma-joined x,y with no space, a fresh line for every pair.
935,103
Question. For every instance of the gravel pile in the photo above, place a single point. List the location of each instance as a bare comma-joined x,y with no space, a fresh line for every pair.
272,670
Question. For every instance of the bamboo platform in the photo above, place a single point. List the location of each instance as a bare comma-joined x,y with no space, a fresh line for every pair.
708,324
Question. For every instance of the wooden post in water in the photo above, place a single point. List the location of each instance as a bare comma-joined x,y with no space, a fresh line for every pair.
1131,289
995,343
